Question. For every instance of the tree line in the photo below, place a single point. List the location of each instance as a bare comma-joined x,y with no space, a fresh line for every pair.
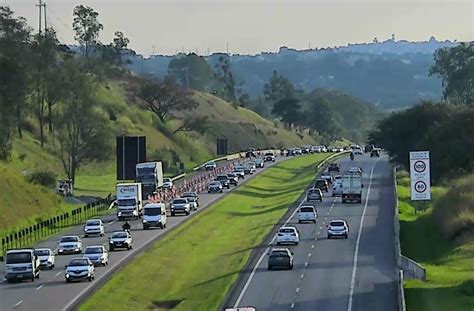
444,128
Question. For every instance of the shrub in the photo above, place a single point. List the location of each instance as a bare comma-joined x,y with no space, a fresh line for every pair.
45,178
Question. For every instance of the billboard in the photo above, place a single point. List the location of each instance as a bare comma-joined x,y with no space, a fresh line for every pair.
130,150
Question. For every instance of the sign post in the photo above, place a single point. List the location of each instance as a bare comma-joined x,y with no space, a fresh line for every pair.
420,176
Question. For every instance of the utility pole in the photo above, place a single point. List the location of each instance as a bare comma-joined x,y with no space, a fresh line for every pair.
40,6
227,47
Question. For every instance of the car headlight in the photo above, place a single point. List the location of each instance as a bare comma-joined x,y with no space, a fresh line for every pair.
119,214
144,221
111,242
85,229
76,249
67,275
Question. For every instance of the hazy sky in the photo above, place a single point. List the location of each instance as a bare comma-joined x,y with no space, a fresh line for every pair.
252,26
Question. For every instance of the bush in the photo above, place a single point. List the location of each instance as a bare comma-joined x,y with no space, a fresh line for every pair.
43,178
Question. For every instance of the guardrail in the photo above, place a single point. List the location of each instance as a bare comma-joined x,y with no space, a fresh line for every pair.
412,269
26,236
398,252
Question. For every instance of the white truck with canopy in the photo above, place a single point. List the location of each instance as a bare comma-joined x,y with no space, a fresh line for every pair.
129,200
351,187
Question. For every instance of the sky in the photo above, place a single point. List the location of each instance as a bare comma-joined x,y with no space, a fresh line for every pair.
253,26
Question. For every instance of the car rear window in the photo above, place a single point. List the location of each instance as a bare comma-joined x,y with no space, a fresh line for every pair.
337,223
314,191
279,254
69,239
287,230
179,201
307,209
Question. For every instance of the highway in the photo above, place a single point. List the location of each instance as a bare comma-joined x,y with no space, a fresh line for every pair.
357,274
50,291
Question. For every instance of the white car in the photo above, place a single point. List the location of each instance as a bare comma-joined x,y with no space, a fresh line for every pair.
167,183
94,227
252,166
288,235
307,213
337,188
338,228
97,254
355,169
70,244
46,257
357,151
210,166
314,194
120,239
79,269
180,205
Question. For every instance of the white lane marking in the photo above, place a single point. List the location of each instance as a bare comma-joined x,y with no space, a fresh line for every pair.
306,264
302,275
39,287
312,246
297,289
292,305
58,273
356,253
111,222
18,303
309,255
249,280
320,228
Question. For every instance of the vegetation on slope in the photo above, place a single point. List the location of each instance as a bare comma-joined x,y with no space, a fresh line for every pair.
447,255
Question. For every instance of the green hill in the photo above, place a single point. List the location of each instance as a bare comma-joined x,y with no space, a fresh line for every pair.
241,126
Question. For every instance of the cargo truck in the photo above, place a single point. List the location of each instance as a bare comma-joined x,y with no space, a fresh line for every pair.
352,187
150,175
129,200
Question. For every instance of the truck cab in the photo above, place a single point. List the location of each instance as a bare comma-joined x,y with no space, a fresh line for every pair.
22,264
154,215
150,175
129,200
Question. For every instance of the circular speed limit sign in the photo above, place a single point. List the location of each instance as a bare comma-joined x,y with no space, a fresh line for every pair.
420,186
419,166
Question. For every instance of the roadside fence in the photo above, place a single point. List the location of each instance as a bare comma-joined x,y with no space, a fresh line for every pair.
28,235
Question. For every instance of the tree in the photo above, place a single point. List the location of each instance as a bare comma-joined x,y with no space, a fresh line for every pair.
288,109
81,129
45,48
86,27
192,71
278,88
322,118
456,68
225,79
15,37
165,97
198,124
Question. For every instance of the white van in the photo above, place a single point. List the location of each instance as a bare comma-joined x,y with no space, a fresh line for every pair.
307,213
154,215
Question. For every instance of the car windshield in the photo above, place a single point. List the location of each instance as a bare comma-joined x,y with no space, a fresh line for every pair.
189,195
93,250
210,163
320,182
215,183
18,257
119,235
222,177
180,201
152,211
126,202
337,224
279,254
314,191
307,209
68,239
42,252
93,223
78,263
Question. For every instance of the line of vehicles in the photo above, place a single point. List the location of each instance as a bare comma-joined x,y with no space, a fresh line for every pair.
26,264
348,185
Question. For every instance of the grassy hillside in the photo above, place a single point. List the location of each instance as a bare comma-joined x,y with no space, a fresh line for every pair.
447,258
242,127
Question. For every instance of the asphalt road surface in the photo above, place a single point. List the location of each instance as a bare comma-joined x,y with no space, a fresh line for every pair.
50,291
354,274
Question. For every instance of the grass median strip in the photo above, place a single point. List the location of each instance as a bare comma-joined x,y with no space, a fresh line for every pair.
194,266
450,277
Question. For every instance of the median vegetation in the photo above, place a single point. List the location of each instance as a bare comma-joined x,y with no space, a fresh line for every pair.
439,236
194,266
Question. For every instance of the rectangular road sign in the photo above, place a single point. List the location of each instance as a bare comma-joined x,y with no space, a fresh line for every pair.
420,175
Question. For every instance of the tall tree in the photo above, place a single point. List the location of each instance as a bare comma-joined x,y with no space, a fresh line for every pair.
15,37
86,27
192,71
278,88
289,111
81,129
165,97
322,118
226,79
456,67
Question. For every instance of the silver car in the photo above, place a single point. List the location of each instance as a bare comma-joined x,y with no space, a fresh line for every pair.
46,257
314,194
70,244
80,269
97,254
